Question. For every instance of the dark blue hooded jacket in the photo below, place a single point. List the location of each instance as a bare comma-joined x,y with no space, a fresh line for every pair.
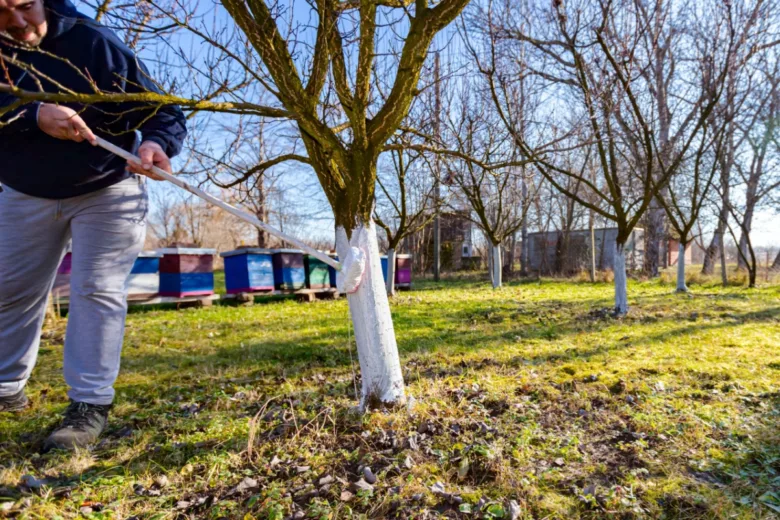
76,48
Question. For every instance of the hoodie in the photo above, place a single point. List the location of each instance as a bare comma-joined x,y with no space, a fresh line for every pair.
76,49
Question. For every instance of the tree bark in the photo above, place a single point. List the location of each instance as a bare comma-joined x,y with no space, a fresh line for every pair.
653,238
621,281
380,366
524,232
592,250
713,251
511,256
262,213
750,205
681,287
390,282
724,276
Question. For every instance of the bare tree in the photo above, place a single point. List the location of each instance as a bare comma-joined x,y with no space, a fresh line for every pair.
406,204
688,190
587,54
494,196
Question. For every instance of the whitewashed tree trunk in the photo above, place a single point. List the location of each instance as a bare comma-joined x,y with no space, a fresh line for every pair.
496,265
681,287
390,282
380,366
621,287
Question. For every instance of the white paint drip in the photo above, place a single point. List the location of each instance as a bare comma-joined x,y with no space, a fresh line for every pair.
380,366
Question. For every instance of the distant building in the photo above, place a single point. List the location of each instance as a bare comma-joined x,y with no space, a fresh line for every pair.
457,243
673,252
553,252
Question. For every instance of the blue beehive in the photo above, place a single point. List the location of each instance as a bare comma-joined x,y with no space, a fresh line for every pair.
186,272
289,271
384,267
144,279
248,270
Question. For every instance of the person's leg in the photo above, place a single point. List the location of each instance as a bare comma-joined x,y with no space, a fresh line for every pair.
33,237
108,229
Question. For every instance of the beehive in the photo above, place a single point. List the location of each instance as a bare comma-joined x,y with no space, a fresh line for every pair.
144,280
317,273
186,272
248,270
289,271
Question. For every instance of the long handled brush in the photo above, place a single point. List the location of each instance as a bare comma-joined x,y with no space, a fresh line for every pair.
349,270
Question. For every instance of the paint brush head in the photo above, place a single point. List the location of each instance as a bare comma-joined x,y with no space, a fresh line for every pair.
350,275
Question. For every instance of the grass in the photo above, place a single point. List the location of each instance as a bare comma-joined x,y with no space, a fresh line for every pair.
531,403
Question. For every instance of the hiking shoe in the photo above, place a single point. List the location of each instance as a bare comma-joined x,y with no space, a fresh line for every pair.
14,403
82,425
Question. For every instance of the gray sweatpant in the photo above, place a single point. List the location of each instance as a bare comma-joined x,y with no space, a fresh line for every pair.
107,229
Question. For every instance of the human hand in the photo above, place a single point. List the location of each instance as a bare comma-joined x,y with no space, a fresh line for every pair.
150,153
62,122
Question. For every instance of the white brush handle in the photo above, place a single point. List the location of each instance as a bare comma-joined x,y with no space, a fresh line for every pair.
222,204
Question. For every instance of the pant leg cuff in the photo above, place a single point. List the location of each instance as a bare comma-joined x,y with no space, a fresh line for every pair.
101,400
10,388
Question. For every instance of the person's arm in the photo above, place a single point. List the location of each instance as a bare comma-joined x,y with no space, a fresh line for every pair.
163,128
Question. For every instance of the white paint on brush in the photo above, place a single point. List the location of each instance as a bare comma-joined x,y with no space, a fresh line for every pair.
681,287
380,365
621,288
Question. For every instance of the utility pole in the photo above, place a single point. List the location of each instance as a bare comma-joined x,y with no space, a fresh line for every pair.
437,181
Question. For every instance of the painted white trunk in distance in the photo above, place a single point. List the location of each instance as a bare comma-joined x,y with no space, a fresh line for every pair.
681,287
496,266
621,288
380,366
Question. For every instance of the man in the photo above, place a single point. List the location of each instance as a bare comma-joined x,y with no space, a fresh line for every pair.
57,188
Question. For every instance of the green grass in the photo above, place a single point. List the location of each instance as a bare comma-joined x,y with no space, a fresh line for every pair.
527,394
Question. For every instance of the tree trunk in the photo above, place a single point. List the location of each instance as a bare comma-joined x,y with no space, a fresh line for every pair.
380,366
511,256
496,265
390,282
653,238
776,263
713,251
750,206
718,244
592,251
621,282
681,287
724,275
524,232
524,250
